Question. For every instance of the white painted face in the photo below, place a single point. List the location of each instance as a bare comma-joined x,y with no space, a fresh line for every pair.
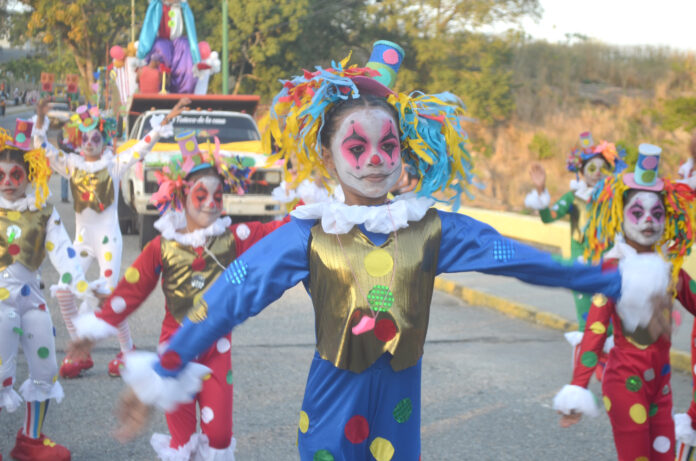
644,218
594,170
367,152
13,181
203,202
92,144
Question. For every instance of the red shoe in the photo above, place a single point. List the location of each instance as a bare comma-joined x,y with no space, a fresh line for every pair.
41,449
115,365
72,368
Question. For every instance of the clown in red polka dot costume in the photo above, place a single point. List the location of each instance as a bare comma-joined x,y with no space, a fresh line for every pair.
95,175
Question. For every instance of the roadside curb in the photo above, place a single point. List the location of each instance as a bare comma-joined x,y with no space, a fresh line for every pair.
680,360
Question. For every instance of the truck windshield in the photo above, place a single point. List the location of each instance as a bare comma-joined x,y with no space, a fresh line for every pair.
227,129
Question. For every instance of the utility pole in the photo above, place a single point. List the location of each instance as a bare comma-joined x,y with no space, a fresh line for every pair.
225,51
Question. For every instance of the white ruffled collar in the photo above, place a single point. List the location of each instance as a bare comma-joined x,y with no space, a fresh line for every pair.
339,218
581,189
28,202
104,161
172,221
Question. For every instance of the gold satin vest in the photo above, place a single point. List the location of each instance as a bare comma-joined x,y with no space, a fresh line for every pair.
92,190
180,283
579,219
23,237
339,304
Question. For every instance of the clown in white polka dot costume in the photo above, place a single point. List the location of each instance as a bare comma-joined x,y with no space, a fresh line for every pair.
30,229
369,263
95,176
655,229
194,247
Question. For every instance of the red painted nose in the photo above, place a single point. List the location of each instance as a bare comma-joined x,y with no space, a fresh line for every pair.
376,160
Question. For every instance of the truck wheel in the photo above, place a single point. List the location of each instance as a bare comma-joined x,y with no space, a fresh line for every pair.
147,229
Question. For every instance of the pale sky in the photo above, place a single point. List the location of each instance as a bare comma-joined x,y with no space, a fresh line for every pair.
619,22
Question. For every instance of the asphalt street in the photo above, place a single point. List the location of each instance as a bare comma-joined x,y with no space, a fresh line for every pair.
488,381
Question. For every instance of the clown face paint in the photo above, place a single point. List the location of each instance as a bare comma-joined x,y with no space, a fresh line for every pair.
203,202
644,218
366,152
13,181
92,144
594,170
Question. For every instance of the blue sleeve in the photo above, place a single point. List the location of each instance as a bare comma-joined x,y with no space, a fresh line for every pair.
469,245
261,275
150,29
190,24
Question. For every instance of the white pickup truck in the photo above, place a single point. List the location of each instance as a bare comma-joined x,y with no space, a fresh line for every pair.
238,135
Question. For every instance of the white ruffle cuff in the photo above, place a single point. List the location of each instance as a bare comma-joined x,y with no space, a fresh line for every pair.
9,399
165,393
89,326
205,452
172,222
537,201
575,399
683,430
160,443
573,337
33,391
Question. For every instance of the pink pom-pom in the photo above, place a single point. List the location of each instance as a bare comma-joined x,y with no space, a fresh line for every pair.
117,52
204,49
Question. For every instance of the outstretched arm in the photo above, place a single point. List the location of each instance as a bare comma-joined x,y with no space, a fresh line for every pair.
57,159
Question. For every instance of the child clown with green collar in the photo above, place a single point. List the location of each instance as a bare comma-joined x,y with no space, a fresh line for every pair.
369,263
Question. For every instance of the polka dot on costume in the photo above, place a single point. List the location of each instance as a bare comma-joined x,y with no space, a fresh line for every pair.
108,256
598,328
132,275
71,252
243,232
633,383
85,196
385,330
653,410
18,331
223,345
304,422
14,215
692,286
42,307
25,290
649,374
105,240
230,377
661,444
402,410
4,294
503,250
607,402
7,382
66,278
118,304
642,458
589,359
207,414
380,298
82,286
382,449
190,145
170,360
323,455
108,273
42,352
599,300
148,139
390,56
13,249
665,369
357,429
83,254
21,137
378,262
49,245
637,413
665,390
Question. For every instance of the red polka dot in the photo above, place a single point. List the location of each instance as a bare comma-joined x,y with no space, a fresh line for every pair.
42,307
385,330
148,139
13,249
108,273
390,56
7,382
170,360
85,196
198,264
357,429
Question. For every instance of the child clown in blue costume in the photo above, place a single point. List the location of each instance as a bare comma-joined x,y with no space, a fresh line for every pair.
369,263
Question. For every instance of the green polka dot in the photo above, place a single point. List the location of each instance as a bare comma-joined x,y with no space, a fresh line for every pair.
694,396
18,330
249,162
589,359
633,383
648,176
42,352
105,240
21,137
66,278
402,411
380,298
653,409
229,377
323,455
692,286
